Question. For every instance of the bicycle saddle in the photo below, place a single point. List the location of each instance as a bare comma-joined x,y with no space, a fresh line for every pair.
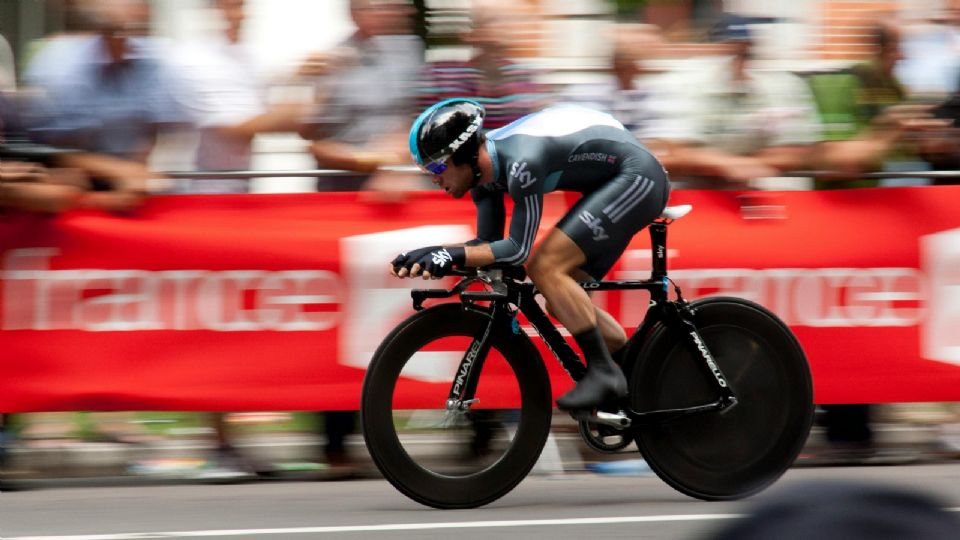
676,212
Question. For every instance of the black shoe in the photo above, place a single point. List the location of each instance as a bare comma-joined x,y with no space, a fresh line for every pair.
600,385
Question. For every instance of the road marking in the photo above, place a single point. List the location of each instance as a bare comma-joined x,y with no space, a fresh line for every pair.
393,527
386,528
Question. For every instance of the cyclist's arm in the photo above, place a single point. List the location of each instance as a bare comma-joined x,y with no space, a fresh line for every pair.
490,246
491,214
524,223
479,255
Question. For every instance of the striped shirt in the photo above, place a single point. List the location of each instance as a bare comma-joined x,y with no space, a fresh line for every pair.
510,93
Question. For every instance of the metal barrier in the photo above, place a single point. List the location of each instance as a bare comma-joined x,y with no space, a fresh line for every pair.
198,175
940,175
246,175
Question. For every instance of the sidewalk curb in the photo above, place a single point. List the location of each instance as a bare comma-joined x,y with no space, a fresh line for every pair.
47,462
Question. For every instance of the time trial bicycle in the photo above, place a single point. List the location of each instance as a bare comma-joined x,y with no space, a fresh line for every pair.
457,404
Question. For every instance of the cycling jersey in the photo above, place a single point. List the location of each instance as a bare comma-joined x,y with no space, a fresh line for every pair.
569,148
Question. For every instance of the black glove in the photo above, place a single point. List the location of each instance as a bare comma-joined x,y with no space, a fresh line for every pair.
436,260
407,258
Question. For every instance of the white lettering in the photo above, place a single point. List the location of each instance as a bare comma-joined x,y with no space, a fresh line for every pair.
817,297
520,172
37,298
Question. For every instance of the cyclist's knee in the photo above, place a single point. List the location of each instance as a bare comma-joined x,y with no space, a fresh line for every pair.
546,266
539,268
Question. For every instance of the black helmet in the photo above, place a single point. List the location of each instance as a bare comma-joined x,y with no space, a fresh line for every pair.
443,129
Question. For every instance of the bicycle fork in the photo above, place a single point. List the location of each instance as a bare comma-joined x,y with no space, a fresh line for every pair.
467,377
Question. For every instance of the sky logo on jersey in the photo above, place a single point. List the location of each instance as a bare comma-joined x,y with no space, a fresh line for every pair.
599,233
520,172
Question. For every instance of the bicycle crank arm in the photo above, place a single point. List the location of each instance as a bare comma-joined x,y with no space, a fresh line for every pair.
667,415
614,420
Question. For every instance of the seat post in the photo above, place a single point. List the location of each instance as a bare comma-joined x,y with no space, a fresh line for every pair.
658,249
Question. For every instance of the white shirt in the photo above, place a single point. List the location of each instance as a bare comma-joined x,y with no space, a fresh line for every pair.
769,108
221,87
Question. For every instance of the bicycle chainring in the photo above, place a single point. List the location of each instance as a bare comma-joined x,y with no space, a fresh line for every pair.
603,438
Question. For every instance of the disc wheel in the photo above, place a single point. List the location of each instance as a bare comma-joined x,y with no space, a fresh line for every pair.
717,456
454,458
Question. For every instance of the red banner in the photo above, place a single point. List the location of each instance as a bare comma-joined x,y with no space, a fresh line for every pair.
276,302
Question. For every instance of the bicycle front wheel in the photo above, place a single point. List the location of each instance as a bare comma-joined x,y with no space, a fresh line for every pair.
454,459
729,455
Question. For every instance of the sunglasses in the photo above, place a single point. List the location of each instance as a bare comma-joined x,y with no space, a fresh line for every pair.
435,166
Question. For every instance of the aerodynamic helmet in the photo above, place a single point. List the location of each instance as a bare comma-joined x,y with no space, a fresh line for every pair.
443,129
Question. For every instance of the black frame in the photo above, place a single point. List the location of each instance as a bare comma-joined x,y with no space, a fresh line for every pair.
507,289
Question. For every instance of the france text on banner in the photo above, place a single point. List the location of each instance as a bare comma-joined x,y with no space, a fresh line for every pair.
278,301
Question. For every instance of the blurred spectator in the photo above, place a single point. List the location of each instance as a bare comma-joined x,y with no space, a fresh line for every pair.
931,50
621,92
749,124
649,102
882,130
843,511
227,98
364,103
871,98
364,98
852,100
506,89
27,184
932,65
106,94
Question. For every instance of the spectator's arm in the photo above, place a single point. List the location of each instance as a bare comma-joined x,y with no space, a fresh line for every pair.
683,158
287,117
34,188
331,154
864,153
787,158
128,178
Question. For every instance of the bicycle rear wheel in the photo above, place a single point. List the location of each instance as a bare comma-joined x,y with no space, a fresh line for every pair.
454,459
729,455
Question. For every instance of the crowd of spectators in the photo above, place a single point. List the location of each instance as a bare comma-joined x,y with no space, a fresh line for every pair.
99,96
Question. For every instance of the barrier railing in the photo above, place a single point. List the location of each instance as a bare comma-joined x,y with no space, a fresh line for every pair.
248,174
202,175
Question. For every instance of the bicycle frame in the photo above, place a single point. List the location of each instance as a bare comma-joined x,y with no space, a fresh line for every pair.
509,292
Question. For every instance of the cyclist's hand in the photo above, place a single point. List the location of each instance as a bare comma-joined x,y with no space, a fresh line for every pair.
402,263
428,262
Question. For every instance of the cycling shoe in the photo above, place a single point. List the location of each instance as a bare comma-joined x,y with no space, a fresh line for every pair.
599,386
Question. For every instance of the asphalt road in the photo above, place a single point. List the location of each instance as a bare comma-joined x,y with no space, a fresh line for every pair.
569,506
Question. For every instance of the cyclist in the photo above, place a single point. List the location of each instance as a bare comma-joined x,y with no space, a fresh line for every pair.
568,148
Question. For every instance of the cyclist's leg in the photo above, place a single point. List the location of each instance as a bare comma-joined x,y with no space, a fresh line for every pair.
613,334
550,268
611,330
591,237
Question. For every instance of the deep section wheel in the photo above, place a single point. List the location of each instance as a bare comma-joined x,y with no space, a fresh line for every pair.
468,456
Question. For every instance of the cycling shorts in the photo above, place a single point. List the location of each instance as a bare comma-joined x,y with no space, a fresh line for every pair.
603,221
